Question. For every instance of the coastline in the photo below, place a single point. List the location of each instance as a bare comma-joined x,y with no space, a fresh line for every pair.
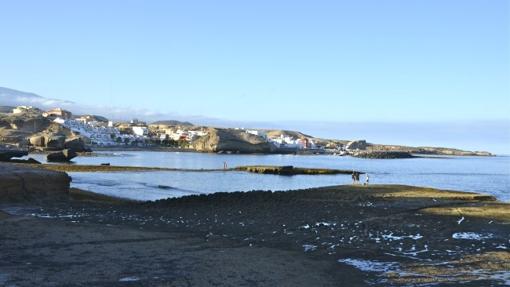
318,236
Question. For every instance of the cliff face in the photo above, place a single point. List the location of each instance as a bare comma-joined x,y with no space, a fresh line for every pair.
231,140
19,182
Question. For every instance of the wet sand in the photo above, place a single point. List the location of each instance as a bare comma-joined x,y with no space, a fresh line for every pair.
333,236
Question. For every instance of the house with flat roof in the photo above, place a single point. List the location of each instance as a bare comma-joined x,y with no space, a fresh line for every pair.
58,113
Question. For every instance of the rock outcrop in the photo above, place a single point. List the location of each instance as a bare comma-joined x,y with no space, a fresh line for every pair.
56,137
20,182
231,140
356,145
32,129
16,128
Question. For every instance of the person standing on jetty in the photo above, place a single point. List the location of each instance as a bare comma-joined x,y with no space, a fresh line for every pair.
367,179
355,177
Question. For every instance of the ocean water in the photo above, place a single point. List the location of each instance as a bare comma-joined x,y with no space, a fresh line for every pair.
489,175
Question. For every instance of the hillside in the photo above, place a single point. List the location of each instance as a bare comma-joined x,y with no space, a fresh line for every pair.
427,150
286,133
11,97
171,123
6,109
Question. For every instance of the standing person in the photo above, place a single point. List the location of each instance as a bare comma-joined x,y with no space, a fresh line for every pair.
353,176
367,179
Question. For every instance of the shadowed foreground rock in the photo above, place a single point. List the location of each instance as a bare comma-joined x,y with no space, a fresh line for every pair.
7,154
20,182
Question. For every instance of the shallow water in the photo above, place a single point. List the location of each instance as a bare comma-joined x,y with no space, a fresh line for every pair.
479,174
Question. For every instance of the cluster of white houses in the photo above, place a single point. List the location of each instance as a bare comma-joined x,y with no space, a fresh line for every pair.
103,132
285,141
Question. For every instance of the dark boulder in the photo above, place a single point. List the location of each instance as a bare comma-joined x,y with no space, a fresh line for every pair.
77,144
7,154
55,142
29,160
65,155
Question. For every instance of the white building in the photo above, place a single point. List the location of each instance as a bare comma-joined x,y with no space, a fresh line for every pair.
290,142
98,135
59,121
140,131
21,109
261,134
58,112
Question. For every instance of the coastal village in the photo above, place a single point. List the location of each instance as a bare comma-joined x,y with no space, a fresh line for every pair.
98,131
64,135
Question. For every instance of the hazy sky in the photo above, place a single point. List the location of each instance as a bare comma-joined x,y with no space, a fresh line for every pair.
376,60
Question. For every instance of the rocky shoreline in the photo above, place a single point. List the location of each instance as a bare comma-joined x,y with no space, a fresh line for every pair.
356,235
384,155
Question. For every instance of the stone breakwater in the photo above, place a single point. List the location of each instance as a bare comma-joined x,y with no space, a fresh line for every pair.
290,170
19,182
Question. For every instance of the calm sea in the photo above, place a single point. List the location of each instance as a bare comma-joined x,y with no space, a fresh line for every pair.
479,174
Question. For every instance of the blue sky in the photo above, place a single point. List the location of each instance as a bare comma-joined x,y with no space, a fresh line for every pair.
323,61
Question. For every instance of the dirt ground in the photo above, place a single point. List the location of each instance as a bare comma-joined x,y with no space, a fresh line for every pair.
51,252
